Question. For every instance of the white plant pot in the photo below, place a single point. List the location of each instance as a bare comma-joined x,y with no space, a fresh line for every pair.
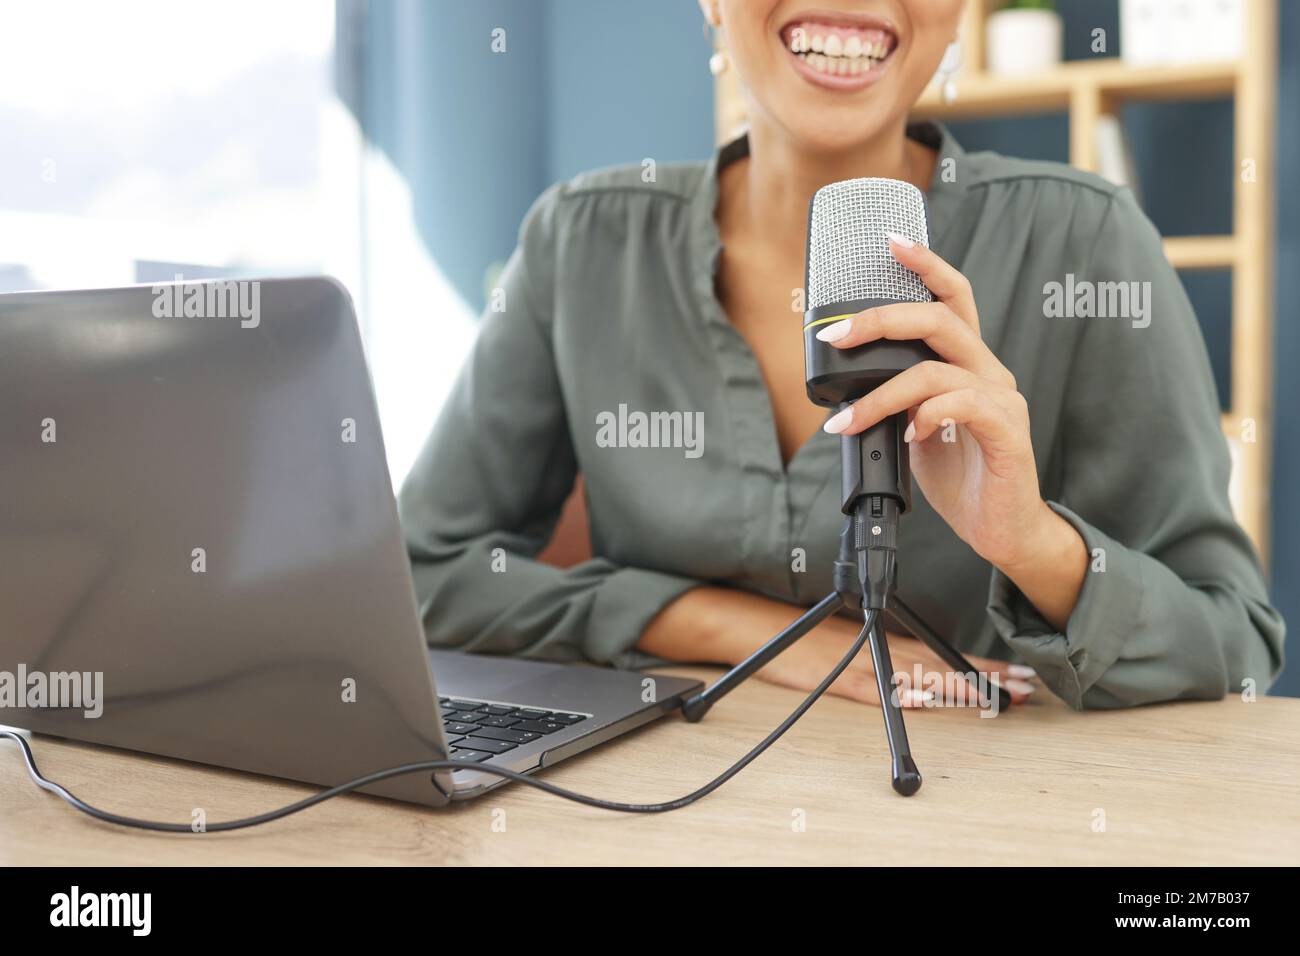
1023,41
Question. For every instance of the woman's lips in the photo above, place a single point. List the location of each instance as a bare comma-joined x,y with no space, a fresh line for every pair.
840,53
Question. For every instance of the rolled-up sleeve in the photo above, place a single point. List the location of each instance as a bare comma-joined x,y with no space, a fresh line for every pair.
487,489
1174,604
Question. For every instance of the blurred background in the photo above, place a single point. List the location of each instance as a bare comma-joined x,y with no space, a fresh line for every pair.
396,144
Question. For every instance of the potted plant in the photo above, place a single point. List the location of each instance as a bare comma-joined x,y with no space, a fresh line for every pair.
1024,36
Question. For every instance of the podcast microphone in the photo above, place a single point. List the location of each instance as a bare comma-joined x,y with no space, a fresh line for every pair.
850,268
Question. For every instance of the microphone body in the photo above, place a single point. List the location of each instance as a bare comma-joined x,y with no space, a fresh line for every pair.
849,269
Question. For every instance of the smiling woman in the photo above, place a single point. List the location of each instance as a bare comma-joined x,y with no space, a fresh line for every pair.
797,63
844,53
1072,524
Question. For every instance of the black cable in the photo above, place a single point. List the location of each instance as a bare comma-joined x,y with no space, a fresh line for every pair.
425,765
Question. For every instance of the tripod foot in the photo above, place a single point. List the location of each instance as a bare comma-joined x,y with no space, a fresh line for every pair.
907,778
694,709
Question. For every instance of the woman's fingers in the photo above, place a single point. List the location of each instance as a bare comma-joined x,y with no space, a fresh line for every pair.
1015,678
1018,687
996,420
905,390
947,284
935,323
942,394
925,681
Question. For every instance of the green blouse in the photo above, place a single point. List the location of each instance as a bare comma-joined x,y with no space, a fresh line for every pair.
607,315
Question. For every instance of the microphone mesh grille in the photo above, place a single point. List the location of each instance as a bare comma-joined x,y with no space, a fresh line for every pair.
848,251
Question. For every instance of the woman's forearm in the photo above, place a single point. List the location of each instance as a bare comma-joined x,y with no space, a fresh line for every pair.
715,625
725,625
722,625
1051,573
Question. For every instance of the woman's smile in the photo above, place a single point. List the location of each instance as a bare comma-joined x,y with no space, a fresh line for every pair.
839,51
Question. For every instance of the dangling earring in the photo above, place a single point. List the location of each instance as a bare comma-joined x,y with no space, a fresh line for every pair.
948,68
719,61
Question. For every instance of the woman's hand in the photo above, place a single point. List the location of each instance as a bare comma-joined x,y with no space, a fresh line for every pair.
923,679
969,432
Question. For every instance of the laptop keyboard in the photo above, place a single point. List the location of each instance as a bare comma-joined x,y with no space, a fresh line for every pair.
478,730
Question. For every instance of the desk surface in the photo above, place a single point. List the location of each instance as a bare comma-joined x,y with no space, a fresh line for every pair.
1193,783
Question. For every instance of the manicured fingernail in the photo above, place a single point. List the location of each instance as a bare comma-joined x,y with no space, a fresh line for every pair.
915,698
839,421
909,434
835,331
901,240
1021,670
1018,686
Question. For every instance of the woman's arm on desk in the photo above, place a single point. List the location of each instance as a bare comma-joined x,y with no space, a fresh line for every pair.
725,626
484,495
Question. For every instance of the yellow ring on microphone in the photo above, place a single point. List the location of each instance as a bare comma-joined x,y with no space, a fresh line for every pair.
828,320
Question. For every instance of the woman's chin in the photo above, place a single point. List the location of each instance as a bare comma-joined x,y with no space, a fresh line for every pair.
837,133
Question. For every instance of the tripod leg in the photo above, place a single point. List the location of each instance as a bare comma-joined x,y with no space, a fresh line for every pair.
694,708
907,778
949,654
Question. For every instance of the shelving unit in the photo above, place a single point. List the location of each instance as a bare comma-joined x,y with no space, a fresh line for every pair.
1086,90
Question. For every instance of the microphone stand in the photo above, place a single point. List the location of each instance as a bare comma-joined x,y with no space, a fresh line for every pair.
877,489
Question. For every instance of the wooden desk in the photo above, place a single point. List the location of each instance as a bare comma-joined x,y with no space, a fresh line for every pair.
1196,783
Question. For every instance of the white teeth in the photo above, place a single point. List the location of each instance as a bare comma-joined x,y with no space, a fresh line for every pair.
835,54
838,65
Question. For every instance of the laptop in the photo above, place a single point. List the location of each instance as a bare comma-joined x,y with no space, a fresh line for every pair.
202,557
